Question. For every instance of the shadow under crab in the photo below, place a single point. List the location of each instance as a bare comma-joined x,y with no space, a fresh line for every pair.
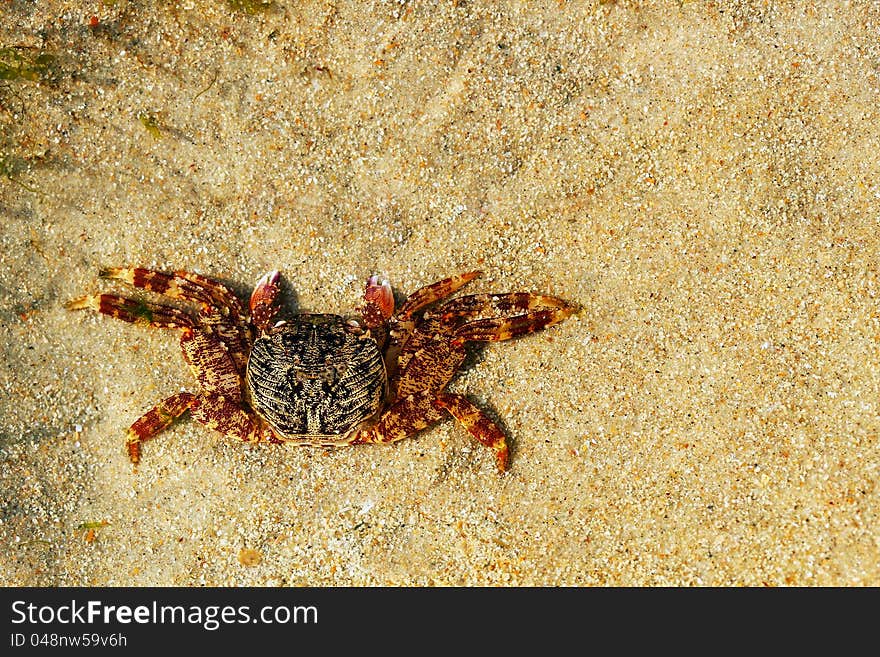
319,379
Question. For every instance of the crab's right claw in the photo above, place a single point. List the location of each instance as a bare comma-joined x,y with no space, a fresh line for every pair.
264,300
378,306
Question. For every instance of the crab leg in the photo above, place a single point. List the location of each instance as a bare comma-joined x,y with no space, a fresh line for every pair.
429,361
228,418
402,324
404,418
221,310
214,411
417,411
477,318
179,285
155,420
237,339
427,364
218,406
473,307
434,292
211,364
478,425
133,310
538,312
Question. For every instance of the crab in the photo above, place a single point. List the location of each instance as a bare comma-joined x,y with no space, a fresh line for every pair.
321,379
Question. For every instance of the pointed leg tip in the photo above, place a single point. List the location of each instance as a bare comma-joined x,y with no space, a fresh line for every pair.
568,309
501,458
110,272
559,308
79,303
133,446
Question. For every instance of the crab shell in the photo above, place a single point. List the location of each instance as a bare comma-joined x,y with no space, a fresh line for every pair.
316,378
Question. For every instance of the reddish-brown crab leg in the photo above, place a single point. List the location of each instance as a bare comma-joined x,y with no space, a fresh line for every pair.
434,292
402,419
218,406
540,311
156,420
133,310
478,425
211,364
206,350
264,300
228,418
473,307
214,411
219,304
401,324
217,301
427,364
179,285
417,411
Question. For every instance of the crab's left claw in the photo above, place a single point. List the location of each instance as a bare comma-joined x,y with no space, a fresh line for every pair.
264,300
378,306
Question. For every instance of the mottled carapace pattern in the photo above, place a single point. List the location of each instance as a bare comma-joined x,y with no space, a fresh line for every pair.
317,376
320,379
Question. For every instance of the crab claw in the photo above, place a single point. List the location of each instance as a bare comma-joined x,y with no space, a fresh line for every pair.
378,306
264,299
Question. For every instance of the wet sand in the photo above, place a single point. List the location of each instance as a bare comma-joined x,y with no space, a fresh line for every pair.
701,180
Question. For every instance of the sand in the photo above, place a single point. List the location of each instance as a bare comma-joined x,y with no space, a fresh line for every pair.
700,178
